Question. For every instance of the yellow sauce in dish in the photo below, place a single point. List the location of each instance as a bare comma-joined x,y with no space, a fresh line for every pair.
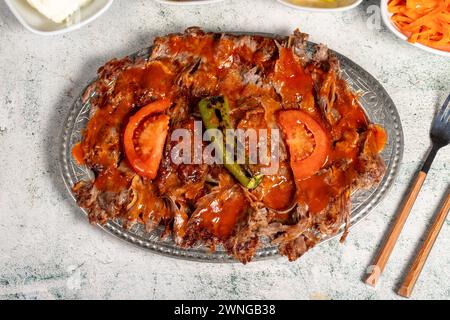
322,3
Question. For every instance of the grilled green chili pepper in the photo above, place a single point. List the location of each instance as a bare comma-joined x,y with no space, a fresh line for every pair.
208,109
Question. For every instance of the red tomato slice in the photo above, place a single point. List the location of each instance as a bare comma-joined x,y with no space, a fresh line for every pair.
145,136
304,161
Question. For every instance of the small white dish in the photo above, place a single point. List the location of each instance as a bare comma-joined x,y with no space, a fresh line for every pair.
386,15
350,5
187,2
37,23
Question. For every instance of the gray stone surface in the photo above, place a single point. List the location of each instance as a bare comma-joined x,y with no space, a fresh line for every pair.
48,250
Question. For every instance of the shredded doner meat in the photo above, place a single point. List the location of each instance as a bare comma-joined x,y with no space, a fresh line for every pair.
328,147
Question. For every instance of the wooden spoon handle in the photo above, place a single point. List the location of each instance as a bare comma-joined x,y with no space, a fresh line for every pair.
378,267
417,266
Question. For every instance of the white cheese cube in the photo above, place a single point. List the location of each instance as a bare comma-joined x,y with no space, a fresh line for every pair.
57,10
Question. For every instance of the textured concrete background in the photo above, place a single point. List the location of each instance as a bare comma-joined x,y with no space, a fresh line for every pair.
48,250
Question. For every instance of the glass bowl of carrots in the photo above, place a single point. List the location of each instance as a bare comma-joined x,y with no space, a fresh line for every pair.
422,23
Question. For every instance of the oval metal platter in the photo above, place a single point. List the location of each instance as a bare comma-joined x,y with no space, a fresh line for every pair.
374,99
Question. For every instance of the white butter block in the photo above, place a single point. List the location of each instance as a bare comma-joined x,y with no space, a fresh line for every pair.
57,10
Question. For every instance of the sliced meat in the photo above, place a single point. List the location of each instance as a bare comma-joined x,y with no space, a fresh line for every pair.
298,41
201,204
101,205
249,229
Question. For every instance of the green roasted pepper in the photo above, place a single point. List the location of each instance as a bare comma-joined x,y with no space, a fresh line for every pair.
209,109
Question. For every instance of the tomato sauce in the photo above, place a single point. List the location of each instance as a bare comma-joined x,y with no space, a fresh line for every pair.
294,80
112,180
221,215
78,154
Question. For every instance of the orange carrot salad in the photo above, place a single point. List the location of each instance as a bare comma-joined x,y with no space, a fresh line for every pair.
423,21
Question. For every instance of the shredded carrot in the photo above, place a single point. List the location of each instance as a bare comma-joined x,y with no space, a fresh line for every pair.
423,21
